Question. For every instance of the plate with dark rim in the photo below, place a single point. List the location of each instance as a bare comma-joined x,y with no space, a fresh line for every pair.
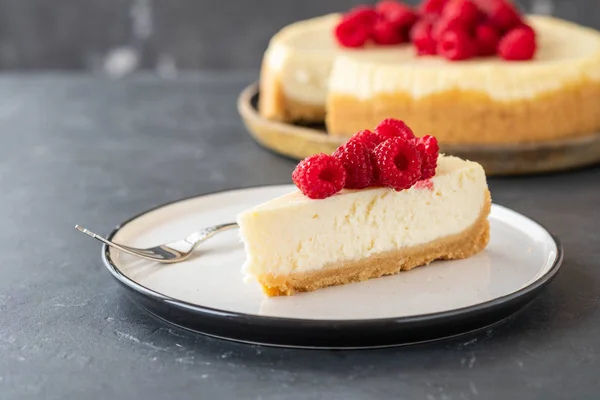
299,141
208,294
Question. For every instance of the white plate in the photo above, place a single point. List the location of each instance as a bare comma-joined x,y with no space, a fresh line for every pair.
520,258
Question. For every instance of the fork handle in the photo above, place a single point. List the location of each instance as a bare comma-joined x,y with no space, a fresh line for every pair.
198,237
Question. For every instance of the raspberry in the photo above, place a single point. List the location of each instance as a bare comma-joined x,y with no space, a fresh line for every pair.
518,45
398,163
464,12
456,45
422,37
319,176
364,15
487,39
390,128
352,32
398,14
486,5
428,148
386,33
527,27
367,138
433,6
355,27
502,14
356,159
443,25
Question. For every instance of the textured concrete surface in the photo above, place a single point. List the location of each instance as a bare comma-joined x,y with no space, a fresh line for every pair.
77,149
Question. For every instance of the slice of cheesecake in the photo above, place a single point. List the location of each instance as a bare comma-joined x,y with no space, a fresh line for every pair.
295,244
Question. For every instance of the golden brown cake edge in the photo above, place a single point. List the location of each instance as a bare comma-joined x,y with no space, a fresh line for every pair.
473,117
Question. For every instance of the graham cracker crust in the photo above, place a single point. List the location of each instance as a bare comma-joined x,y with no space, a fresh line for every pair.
273,104
453,247
473,117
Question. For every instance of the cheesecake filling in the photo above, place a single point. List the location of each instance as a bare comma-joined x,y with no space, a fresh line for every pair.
451,247
294,235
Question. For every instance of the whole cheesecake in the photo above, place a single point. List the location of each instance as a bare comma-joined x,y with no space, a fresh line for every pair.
307,77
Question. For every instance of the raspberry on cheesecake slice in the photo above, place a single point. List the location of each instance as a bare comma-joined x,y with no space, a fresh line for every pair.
384,202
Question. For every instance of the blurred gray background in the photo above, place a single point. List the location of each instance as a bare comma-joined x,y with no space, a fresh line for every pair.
120,36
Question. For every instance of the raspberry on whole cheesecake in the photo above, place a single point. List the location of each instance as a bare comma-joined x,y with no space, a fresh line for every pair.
486,5
443,25
398,163
364,15
527,27
463,12
367,138
454,29
352,32
398,14
356,159
503,14
386,33
487,40
518,45
455,45
319,176
428,148
421,36
433,6
391,128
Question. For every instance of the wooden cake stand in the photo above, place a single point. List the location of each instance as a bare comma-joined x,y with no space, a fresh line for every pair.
300,141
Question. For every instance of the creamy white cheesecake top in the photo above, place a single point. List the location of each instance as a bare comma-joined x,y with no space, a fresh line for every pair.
293,233
310,63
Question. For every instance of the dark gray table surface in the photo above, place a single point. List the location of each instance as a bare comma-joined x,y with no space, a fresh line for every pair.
166,36
80,149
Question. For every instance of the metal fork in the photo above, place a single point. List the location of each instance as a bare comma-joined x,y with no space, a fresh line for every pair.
168,253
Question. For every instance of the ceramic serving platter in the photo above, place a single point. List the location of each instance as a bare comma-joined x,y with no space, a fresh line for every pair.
207,293
298,142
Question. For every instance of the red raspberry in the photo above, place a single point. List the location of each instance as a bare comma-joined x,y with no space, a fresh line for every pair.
503,15
464,11
367,138
422,37
390,128
352,32
443,25
527,27
518,45
363,14
398,163
433,6
485,5
319,176
487,39
456,45
386,33
428,148
400,15
356,159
